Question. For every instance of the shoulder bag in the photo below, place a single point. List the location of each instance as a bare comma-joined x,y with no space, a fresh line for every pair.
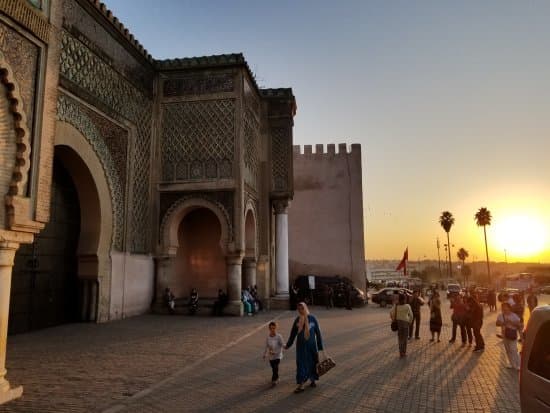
393,324
510,333
324,364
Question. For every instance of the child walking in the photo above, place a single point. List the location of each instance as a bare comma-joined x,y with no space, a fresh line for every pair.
274,350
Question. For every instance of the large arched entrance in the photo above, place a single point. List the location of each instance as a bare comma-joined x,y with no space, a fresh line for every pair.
45,288
200,259
56,278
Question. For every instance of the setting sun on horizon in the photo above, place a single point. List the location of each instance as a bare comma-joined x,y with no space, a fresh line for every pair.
518,233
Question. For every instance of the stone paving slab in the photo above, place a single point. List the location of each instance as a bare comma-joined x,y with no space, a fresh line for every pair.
136,366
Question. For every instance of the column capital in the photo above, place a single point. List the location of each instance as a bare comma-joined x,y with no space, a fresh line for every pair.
234,258
249,262
7,253
281,206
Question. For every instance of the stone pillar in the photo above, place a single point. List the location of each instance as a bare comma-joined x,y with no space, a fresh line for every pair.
281,248
249,267
234,287
85,299
93,293
7,255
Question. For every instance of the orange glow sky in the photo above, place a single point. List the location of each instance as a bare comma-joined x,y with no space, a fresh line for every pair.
450,101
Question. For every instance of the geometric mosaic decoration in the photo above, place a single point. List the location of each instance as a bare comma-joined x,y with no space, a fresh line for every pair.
198,139
81,66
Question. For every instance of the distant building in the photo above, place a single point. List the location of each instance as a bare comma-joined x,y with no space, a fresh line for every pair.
326,234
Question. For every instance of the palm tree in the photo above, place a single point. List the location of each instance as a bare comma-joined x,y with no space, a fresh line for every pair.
483,218
462,254
447,221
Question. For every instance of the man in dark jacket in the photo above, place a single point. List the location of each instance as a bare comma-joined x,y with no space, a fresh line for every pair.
475,320
416,303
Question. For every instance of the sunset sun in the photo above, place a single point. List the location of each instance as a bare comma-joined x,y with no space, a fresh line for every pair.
521,236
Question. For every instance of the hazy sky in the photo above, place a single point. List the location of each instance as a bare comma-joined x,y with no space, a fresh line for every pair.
450,101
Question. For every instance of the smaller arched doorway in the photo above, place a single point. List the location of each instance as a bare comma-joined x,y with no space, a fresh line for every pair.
249,262
200,259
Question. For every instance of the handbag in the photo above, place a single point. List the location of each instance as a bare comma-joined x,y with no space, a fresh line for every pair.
510,333
393,324
324,364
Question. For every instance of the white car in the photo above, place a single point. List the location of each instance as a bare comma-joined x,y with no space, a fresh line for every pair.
534,384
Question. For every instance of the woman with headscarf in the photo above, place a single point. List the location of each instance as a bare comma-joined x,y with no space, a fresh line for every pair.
402,313
305,330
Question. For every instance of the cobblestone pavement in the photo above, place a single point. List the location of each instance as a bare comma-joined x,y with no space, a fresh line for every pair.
123,367
88,367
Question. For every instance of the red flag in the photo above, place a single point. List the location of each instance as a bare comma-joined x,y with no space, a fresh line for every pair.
403,264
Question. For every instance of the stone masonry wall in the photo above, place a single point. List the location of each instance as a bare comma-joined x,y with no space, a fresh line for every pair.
326,214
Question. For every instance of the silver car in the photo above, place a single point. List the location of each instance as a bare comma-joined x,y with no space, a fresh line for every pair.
535,363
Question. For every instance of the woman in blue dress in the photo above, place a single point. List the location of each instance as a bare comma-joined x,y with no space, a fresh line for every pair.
305,330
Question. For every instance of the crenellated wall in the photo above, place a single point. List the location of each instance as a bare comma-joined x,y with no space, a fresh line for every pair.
326,234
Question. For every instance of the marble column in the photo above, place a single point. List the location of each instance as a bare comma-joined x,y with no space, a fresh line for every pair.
234,287
281,248
7,255
249,267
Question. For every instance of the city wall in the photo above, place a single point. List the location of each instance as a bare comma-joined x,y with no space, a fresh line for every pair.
326,234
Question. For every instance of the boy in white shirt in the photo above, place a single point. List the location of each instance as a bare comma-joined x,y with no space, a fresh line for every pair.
274,349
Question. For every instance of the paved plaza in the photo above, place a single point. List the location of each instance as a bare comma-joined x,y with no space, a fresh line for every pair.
205,364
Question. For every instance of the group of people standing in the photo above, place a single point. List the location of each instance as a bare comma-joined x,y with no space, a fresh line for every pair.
406,313
467,316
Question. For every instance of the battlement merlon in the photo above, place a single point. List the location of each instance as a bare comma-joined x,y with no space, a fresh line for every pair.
307,150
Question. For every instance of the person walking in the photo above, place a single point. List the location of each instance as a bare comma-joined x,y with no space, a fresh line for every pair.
492,300
468,316
329,297
436,320
532,301
475,320
458,318
416,303
309,342
511,324
347,293
274,350
402,313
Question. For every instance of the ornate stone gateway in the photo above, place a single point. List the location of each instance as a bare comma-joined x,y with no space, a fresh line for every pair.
173,173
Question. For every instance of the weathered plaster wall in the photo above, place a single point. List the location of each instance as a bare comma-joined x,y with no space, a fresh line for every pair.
132,285
326,214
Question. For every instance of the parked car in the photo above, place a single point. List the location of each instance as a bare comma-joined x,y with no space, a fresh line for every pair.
545,289
507,291
534,384
338,285
453,290
482,294
385,295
